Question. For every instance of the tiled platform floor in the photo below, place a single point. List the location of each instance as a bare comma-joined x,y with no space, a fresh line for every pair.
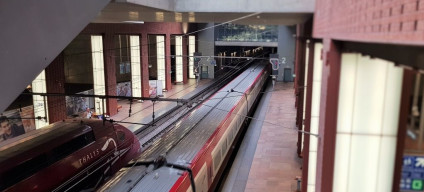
267,160
275,164
141,112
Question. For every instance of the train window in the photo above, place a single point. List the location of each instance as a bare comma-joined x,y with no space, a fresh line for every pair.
217,160
23,171
121,135
224,148
72,146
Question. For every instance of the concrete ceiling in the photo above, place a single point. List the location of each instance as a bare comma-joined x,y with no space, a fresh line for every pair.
119,12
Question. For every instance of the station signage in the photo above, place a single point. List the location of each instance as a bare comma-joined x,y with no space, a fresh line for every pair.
412,173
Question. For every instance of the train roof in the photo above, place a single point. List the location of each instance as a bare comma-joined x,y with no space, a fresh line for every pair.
41,137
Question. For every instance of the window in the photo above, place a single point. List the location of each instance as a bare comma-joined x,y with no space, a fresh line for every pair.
217,161
98,70
72,146
121,135
40,103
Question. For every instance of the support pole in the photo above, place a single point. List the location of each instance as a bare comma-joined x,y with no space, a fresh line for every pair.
414,109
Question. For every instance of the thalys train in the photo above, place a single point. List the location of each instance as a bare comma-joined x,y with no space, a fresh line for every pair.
71,155
191,155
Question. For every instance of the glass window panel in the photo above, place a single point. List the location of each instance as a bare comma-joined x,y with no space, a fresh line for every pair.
312,164
98,70
369,96
317,62
191,50
364,160
179,58
386,165
313,141
40,105
392,99
341,162
160,48
135,66
346,92
316,95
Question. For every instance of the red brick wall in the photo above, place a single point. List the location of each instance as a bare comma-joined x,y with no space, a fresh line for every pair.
379,21
143,30
110,71
55,83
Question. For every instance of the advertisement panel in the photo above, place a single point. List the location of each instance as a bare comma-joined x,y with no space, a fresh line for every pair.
412,173
75,106
155,88
16,122
123,89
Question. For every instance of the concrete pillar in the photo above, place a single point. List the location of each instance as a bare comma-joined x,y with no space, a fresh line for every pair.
185,59
300,81
145,65
168,61
286,49
55,83
110,73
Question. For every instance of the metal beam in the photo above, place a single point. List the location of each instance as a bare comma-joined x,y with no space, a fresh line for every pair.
110,97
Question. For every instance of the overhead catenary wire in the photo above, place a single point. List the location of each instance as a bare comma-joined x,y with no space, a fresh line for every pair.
262,120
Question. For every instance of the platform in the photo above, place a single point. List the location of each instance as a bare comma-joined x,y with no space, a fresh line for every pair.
141,112
267,159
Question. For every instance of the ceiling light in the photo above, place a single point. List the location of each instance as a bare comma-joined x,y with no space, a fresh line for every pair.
136,22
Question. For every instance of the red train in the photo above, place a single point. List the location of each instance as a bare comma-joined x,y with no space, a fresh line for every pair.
65,156
192,155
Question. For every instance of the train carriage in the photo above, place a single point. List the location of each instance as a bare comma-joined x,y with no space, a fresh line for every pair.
65,156
191,155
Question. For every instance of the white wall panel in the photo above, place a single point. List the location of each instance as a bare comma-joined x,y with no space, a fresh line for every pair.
191,50
40,105
179,58
369,96
135,66
363,163
315,108
98,71
160,53
368,113
341,177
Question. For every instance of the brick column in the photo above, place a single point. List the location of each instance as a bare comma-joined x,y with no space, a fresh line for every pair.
144,65
168,61
185,59
55,83
328,116
407,87
307,122
110,73
300,81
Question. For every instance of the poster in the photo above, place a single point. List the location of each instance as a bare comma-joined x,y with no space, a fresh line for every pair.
27,113
16,125
123,89
155,88
75,106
